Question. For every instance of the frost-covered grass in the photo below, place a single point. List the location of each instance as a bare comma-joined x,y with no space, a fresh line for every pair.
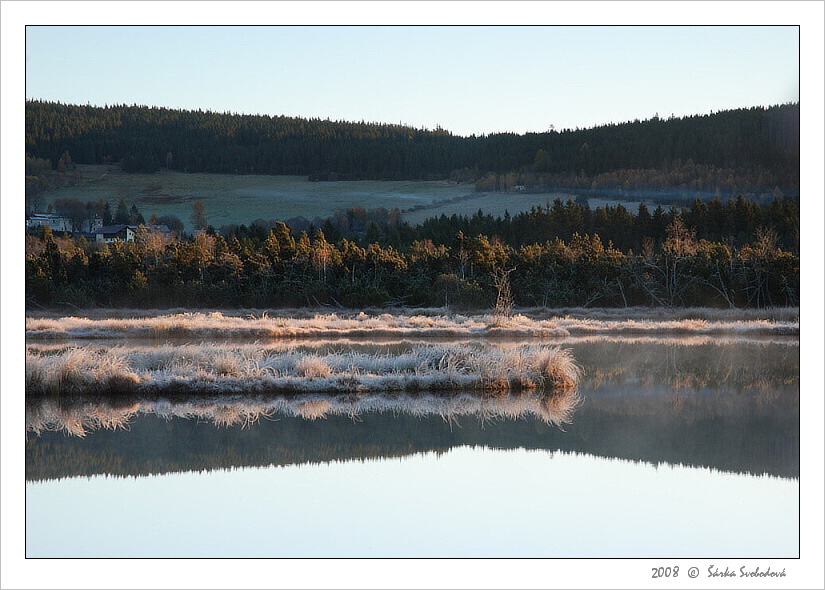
234,369
529,323
79,417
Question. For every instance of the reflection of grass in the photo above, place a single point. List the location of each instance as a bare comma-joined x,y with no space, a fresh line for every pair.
250,367
546,324
79,415
77,419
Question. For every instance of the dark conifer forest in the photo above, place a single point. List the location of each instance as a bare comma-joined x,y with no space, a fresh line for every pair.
753,148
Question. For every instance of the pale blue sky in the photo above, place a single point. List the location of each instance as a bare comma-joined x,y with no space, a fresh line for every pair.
466,79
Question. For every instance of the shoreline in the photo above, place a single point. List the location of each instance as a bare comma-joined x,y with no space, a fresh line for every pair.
408,323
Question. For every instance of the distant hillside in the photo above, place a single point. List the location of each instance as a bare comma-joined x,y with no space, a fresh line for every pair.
758,146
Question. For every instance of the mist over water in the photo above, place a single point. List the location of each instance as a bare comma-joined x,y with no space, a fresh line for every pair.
731,406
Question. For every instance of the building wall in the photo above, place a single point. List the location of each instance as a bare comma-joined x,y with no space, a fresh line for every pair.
63,224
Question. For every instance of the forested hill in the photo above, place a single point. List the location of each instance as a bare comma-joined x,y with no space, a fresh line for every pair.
759,144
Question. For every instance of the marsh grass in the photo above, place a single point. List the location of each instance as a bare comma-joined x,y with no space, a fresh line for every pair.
227,365
239,368
312,367
415,324
78,369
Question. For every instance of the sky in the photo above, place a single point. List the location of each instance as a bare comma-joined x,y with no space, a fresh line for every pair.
467,79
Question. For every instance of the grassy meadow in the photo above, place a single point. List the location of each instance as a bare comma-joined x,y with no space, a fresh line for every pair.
243,198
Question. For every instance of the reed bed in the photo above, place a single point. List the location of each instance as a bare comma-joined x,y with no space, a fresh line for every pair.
321,346
536,324
245,368
80,416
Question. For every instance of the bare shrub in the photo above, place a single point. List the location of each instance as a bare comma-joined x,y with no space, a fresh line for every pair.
504,295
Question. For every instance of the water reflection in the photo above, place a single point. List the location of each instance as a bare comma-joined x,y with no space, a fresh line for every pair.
80,415
730,406
482,502
691,364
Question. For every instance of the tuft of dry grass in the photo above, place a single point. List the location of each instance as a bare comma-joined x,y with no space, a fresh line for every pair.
558,367
77,369
312,367
227,365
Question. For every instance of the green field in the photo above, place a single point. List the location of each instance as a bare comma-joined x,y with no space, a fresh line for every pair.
242,199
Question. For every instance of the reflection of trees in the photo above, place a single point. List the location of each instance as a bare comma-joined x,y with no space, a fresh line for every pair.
731,432
742,432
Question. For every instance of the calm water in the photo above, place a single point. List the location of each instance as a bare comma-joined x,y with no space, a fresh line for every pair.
676,450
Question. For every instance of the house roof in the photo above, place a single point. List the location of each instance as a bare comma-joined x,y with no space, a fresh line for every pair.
46,216
114,229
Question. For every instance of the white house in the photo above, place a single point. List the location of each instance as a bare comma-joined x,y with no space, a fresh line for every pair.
115,233
61,223
58,223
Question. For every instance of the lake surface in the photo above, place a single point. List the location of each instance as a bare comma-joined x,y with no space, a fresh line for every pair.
677,448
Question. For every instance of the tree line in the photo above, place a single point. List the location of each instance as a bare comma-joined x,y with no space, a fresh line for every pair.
733,222
564,255
744,150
